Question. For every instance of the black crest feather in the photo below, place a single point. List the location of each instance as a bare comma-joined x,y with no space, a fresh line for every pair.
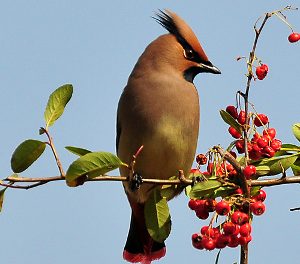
164,19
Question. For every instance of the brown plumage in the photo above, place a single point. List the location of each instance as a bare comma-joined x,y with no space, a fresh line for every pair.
159,109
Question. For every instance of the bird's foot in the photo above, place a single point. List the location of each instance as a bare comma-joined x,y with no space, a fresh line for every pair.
136,181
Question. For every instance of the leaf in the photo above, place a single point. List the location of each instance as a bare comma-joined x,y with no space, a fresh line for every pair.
157,216
168,191
296,167
290,147
254,190
277,164
56,103
230,121
26,153
223,191
203,188
91,165
296,130
262,170
2,197
77,151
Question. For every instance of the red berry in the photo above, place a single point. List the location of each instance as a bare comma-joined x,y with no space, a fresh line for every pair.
223,241
261,71
260,120
263,141
192,204
208,243
233,132
230,109
294,37
255,137
239,218
234,241
210,167
222,208
210,205
201,159
244,240
270,132
201,214
245,229
207,231
230,228
242,117
268,152
261,196
197,241
249,171
239,191
276,144
255,152
239,144
257,208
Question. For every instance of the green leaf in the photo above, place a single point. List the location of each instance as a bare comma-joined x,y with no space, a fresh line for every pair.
91,165
56,103
289,147
262,170
254,190
277,164
230,120
2,197
203,188
296,130
296,167
169,191
223,191
157,216
77,151
26,153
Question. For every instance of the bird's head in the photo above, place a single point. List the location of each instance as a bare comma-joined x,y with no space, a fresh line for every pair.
179,49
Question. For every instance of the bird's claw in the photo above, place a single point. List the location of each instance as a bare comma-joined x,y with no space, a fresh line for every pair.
136,182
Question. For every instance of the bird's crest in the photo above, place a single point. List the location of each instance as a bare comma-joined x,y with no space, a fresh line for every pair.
181,30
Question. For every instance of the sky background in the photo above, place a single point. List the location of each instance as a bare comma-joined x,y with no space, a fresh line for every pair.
94,46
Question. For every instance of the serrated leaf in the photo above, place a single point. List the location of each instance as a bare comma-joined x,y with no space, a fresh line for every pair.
230,120
157,216
203,188
296,167
26,154
91,165
277,164
56,103
2,198
77,151
296,130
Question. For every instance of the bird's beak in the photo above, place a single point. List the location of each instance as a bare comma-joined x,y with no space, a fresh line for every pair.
208,67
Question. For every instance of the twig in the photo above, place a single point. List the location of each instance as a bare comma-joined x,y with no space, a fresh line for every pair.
51,144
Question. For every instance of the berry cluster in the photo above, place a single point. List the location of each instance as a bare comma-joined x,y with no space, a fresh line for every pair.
263,145
235,230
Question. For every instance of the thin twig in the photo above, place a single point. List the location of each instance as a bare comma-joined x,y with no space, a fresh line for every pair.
51,144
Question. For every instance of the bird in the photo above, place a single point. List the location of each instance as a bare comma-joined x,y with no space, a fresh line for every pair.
159,110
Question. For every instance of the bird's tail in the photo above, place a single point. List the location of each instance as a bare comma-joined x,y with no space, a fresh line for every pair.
140,247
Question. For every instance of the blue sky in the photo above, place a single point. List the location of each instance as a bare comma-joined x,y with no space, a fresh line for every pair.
94,46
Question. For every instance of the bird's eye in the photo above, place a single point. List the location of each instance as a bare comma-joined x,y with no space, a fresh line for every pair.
189,54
